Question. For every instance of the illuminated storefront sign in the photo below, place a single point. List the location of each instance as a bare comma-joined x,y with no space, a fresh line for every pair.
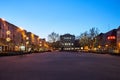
111,37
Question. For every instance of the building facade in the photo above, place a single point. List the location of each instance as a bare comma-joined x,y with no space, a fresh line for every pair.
67,42
14,38
44,46
3,35
109,41
118,38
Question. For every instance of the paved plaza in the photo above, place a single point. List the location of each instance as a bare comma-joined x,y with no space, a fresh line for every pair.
60,66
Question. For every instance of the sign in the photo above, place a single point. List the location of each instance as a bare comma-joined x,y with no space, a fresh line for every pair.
111,37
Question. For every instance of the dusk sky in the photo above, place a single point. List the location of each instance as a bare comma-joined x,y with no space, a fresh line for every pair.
42,17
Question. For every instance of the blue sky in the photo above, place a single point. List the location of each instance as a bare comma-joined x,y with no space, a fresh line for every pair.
42,17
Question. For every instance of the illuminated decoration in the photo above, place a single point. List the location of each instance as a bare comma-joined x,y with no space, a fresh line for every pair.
24,35
21,28
3,19
27,38
119,44
16,48
86,47
38,38
8,39
8,32
27,42
33,37
99,46
95,49
82,48
111,37
106,45
40,42
40,45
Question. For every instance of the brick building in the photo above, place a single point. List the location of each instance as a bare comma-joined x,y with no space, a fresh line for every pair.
109,41
14,38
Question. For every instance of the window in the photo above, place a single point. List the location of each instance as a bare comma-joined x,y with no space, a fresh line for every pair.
72,44
69,44
65,43
67,37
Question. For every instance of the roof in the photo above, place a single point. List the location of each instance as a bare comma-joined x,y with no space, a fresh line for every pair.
68,35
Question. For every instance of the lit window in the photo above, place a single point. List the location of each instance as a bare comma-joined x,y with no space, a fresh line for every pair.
65,43
69,44
72,44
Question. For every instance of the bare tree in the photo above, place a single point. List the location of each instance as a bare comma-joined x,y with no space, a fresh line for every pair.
93,32
84,39
53,37
88,38
54,40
